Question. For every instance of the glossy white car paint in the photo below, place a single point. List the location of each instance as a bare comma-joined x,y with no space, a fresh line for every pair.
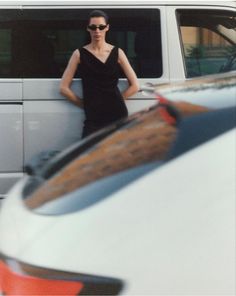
212,92
172,232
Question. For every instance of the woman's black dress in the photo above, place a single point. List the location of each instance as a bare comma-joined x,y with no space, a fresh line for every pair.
103,102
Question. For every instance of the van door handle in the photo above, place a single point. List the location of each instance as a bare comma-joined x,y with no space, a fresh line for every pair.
11,103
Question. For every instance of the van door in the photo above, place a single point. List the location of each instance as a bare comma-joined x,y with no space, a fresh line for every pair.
48,37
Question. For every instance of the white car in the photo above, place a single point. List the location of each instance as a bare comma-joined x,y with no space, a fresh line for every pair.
143,207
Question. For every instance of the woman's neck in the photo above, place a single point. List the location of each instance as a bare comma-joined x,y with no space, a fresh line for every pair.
98,45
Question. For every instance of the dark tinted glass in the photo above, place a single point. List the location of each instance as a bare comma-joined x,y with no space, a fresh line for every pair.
8,39
37,43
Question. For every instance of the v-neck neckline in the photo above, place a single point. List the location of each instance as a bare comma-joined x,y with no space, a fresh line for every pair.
104,63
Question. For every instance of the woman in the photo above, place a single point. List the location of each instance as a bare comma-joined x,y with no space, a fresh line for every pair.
99,64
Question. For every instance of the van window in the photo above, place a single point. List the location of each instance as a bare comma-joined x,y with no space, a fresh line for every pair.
37,43
8,19
208,40
5,52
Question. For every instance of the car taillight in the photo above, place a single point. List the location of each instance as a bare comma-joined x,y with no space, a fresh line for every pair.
22,279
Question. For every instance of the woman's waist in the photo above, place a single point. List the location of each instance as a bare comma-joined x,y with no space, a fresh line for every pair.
100,83
104,112
102,95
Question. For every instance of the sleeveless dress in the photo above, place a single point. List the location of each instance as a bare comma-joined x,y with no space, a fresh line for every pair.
103,102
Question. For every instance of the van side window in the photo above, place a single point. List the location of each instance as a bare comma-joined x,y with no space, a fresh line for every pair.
5,52
208,40
8,20
37,43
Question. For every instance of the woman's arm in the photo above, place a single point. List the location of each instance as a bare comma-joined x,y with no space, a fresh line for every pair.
67,79
129,73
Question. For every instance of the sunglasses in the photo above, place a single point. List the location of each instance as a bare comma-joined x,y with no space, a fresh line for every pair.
94,27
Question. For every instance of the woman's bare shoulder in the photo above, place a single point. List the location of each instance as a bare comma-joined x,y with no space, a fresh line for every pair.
76,53
75,57
121,55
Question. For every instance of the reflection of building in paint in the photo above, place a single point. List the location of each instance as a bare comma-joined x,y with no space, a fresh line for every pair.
145,137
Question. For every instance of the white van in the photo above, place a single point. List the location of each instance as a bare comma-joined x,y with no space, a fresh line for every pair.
165,41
